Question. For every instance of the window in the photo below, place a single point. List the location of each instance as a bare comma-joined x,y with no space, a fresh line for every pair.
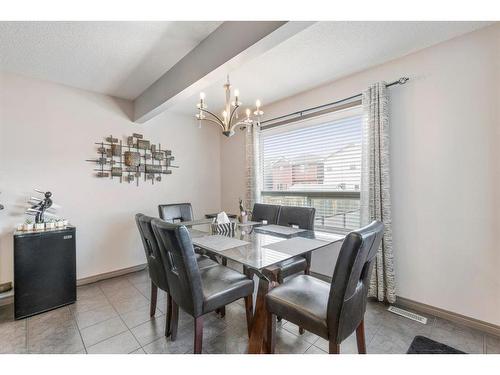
316,163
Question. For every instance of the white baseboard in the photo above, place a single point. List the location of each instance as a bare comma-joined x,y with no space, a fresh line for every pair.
8,297
480,325
489,328
109,275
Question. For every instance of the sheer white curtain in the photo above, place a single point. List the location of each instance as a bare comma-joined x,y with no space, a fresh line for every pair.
252,166
375,200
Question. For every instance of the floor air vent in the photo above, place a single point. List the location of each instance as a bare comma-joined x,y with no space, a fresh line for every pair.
408,314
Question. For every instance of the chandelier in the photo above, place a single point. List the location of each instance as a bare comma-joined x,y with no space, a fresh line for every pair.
230,118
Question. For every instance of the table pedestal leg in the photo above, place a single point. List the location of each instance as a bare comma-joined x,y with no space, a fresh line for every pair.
256,342
259,322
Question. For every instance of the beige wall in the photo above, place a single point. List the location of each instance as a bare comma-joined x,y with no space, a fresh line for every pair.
445,159
46,133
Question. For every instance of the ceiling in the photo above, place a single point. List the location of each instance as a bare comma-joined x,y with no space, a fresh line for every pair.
324,52
120,59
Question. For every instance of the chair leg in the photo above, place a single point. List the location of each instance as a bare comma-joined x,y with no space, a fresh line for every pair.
271,333
198,334
360,338
249,312
169,316
174,321
222,310
334,347
154,297
307,271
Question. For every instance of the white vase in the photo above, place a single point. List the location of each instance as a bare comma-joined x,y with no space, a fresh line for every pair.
50,225
27,227
39,226
19,227
59,224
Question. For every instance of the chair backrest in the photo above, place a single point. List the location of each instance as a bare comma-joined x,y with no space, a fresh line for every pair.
303,217
176,212
268,212
351,279
183,274
153,256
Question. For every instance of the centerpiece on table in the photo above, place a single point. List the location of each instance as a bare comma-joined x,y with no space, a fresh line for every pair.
244,214
222,225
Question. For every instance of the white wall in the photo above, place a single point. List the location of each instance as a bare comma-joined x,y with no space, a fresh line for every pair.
46,133
445,171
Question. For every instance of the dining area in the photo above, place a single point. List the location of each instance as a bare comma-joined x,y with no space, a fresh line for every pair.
203,265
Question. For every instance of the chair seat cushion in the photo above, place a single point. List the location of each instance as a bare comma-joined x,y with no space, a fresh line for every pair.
292,266
222,285
205,262
302,300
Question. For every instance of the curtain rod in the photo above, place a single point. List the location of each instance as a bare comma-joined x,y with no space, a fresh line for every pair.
400,81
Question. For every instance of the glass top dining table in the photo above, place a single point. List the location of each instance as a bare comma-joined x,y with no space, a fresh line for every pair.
257,246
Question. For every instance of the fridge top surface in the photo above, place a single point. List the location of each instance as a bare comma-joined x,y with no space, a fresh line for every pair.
22,233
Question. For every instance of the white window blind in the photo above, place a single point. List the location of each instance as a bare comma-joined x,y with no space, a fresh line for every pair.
316,163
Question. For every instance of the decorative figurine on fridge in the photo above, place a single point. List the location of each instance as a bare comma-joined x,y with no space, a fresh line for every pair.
39,208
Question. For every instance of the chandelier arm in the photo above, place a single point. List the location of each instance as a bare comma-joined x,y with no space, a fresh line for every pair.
214,115
232,114
214,121
242,123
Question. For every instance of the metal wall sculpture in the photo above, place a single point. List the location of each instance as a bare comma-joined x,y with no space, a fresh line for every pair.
137,158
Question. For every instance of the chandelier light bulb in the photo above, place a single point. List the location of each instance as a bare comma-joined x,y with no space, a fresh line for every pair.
229,118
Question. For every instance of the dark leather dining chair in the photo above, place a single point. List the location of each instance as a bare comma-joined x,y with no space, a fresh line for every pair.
268,212
303,218
176,212
333,311
153,258
197,291
155,262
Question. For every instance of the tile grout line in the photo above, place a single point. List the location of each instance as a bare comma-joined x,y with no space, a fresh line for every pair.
110,337
309,347
118,315
157,338
373,337
149,300
78,328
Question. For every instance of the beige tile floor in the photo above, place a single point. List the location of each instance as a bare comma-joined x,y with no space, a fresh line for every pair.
112,316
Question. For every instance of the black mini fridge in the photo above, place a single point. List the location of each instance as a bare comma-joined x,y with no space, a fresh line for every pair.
44,270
